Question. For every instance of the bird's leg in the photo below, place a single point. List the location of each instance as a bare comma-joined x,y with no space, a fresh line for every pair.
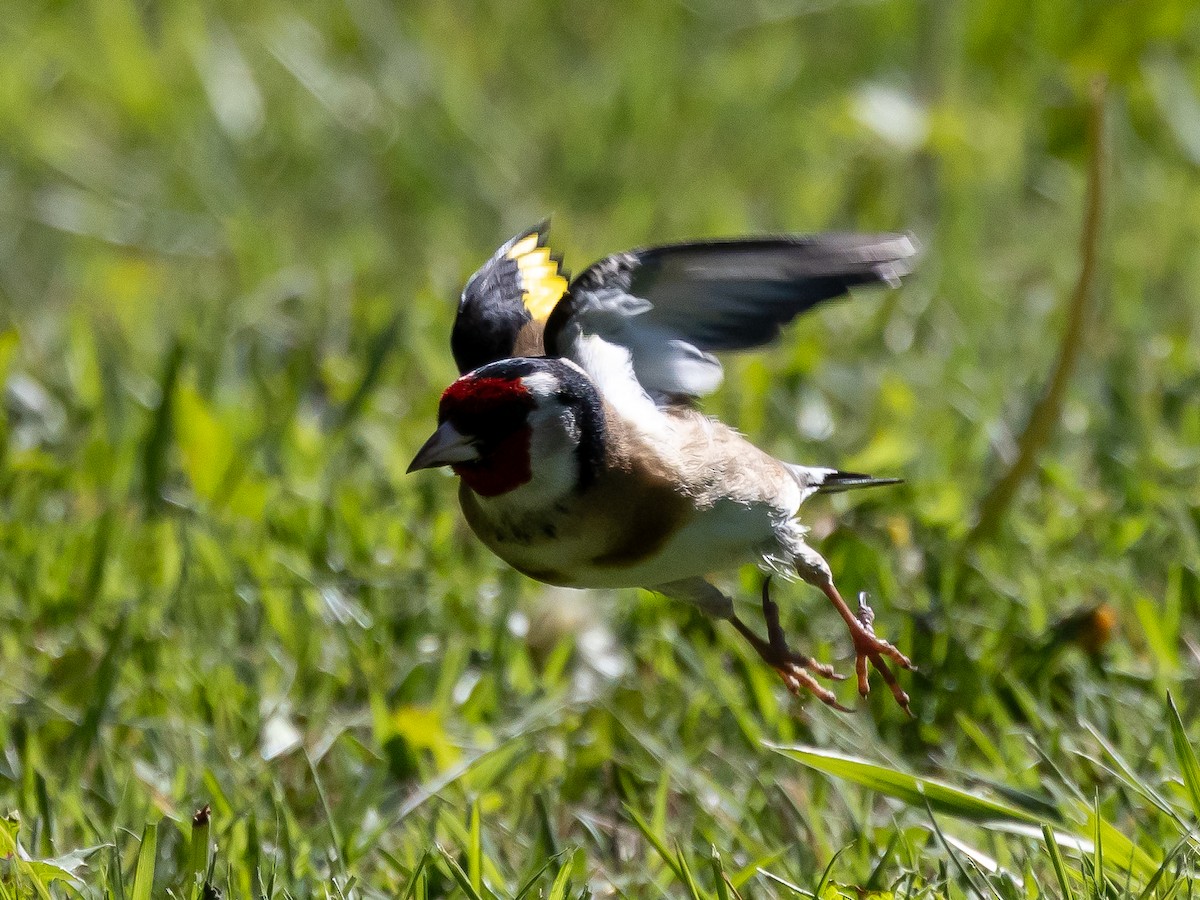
793,668
779,642
869,647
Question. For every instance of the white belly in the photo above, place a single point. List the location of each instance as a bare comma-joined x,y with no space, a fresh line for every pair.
569,551
726,536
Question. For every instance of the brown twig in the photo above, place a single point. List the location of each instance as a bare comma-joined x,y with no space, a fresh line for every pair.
1047,412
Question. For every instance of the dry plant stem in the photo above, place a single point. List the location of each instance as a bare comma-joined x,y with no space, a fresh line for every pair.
1048,411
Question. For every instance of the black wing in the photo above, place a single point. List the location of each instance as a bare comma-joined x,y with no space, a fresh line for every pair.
669,306
505,304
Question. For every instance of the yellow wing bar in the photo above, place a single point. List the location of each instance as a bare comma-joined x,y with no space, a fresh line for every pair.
542,281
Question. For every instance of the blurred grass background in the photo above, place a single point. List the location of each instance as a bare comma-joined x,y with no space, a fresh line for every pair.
231,240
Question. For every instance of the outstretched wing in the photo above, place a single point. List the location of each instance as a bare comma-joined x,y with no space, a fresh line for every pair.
505,305
659,312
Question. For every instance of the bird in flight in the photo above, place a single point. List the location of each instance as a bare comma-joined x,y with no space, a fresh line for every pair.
582,457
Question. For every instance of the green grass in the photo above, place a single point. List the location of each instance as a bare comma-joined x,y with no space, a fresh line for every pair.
231,238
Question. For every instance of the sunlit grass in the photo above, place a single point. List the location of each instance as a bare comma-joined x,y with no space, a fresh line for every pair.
241,652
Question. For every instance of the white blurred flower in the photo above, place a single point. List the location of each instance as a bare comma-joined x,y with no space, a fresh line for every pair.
893,114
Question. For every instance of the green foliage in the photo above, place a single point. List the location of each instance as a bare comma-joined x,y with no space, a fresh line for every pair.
231,237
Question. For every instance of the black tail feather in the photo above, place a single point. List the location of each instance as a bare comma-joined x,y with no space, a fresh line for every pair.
836,482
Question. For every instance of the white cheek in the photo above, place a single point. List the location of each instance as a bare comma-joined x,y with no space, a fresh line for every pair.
553,439
552,453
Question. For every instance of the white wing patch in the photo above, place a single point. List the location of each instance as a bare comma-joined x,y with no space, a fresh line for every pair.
625,354
611,369
669,366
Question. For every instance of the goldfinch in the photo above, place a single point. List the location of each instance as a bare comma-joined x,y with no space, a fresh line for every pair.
582,459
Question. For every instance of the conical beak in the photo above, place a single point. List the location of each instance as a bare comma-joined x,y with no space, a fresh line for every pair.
445,446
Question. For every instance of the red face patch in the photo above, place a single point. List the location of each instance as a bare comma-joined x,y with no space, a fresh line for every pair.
470,396
504,468
495,412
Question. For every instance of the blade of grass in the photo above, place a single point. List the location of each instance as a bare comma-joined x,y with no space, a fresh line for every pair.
562,881
158,435
1189,767
198,848
1124,772
330,823
718,869
783,882
417,872
1056,862
104,682
828,871
1073,842
143,875
377,354
914,790
689,880
739,878
475,850
538,720
1118,848
533,879
655,841
1047,411
543,813
421,883
876,877
1152,885
952,853
658,812
456,871
118,877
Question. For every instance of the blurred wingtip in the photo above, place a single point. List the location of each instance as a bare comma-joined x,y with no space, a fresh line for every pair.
897,255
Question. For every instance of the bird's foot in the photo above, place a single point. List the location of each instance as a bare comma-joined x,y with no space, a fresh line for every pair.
796,669
872,650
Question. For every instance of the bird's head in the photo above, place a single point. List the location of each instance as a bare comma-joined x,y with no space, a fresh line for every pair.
532,424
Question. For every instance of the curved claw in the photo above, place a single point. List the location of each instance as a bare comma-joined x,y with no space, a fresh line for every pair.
796,679
822,669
